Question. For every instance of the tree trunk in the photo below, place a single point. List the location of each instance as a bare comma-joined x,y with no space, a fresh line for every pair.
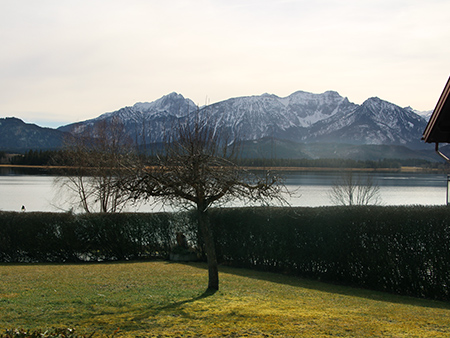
210,248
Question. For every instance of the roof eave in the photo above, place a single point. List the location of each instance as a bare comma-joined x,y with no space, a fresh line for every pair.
438,110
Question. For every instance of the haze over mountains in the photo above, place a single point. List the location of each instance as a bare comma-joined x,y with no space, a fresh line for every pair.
298,125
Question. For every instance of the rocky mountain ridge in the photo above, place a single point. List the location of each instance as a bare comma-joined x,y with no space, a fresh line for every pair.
301,117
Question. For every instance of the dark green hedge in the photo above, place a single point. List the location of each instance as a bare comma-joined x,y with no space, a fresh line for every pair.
404,250
65,237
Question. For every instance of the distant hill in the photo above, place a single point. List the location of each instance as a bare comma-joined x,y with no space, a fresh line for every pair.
18,136
280,149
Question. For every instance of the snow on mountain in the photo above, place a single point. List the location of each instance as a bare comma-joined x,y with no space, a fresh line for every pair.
426,114
374,122
173,105
144,121
300,117
254,117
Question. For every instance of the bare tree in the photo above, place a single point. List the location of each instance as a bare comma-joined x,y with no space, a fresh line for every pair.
353,189
92,165
197,168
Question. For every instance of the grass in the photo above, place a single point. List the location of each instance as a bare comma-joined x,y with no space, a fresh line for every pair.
162,299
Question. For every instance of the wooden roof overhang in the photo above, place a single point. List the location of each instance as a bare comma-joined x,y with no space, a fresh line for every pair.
438,127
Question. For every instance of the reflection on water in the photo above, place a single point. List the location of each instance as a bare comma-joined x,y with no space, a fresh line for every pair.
36,190
7,171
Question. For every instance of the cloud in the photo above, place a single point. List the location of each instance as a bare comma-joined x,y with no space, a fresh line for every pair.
82,58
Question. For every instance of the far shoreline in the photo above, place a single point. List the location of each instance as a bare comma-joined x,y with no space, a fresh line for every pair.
403,169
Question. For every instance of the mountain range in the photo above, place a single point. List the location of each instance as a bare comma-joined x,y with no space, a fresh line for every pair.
299,121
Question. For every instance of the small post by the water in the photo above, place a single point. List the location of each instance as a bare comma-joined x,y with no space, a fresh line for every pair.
448,189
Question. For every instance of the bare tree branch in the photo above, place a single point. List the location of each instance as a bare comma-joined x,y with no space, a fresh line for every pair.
94,160
198,167
351,189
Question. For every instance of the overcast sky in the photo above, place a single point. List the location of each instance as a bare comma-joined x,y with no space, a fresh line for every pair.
64,61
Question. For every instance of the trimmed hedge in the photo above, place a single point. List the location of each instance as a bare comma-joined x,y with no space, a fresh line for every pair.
66,237
399,249
404,250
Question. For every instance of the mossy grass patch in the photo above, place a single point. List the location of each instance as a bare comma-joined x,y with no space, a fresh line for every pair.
151,299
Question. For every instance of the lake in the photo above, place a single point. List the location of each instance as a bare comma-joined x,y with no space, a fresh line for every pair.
37,192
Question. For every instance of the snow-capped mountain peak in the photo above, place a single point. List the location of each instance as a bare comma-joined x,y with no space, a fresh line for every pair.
173,103
375,121
426,114
300,117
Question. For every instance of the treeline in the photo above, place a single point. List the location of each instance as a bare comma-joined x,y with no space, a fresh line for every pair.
35,157
47,157
336,163
398,249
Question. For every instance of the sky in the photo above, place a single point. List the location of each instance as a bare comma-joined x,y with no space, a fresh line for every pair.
65,61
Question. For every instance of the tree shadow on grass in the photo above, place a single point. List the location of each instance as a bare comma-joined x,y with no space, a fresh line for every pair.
207,293
328,287
154,311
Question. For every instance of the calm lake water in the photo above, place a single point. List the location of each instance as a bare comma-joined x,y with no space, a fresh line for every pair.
37,192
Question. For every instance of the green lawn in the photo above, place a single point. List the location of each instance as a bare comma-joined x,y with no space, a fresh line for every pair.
162,299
